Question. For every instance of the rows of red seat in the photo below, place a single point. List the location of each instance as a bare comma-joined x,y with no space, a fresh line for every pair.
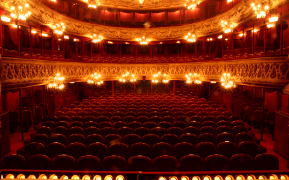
160,135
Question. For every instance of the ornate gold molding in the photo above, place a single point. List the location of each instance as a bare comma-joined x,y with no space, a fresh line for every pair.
239,14
259,71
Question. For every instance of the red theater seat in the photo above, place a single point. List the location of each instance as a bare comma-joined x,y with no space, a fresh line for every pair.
134,124
93,138
130,139
49,124
119,124
248,147
222,129
171,139
40,138
114,163
161,149
61,130
175,130
88,163
241,162
191,130
149,125
244,136
13,161
266,162
191,163
63,162
90,124
38,162
140,149
76,130
75,138
165,163
44,130
139,163
108,130
76,150
124,131
151,139
190,138
183,149
33,148
168,118
97,149
91,130
227,149
179,124
141,131
158,131
112,139
119,149
207,129
217,162
76,124
205,149
207,137
196,124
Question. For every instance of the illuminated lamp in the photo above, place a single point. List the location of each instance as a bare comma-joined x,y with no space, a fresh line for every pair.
5,19
108,177
86,177
207,178
97,177
251,177
229,177
220,37
270,25
273,176
173,178
218,177
196,178
262,177
284,177
240,177
119,177
241,35
273,19
75,177
42,176
162,178
66,37
64,177
53,176
10,176
185,178
20,176
31,176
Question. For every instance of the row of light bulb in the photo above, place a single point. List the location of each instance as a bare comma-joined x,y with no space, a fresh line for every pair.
75,177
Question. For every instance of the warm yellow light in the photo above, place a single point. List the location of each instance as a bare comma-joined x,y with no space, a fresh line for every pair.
270,25
31,176
229,178
251,177
220,37
5,19
162,178
66,37
42,176
20,176
185,178
173,178
207,178
119,177
86,177
64,177
196,178
97,177
108,177
240,177
53,176
75,177
10,176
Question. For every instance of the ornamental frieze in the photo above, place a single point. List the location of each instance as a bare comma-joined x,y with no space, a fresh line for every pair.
259,71
43,15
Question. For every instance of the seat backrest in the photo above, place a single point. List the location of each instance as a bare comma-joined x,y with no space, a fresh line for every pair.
112,139
140,149
248,147
191,163
33,148
93,138
124,131
175,130
97,149
161,149
139,163
91,130
205,149
151,139
171,139
266,162
165,164
141,131
63,162
39,162
76,150
217,162
40,138
114,163
190,138
241,162
75,138
225,137
13,161
88,163
227,149
130,139
183,149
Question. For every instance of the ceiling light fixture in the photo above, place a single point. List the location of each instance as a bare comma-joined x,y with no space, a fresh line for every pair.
57,82
261,9
94,79
127,78
20,11
160,78
96,38
190,37
227,81
192,4
227,27
92,3
143,41
59,28
193,78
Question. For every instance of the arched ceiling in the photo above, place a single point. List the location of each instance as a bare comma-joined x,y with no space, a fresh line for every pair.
239,14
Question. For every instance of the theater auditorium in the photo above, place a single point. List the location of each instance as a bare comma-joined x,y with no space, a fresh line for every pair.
144,89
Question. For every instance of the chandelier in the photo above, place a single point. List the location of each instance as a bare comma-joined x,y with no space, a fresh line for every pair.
143,41
96,38
141,1
57,82
20,11
192,4
227,27
59,28
260,10
162,78
227,81
127,78
193,78
191,37
92,3
94,79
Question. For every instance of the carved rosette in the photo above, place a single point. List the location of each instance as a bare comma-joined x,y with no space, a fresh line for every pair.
260,71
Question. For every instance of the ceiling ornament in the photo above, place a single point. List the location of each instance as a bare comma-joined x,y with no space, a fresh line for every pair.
239,14
227,26
20,10
160,78
58,28
92,3
127,77
191,37
261,9
193,78
57,83
94,79
192,4
95,38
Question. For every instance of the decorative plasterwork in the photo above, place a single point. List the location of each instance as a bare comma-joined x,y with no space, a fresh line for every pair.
239,14
259,71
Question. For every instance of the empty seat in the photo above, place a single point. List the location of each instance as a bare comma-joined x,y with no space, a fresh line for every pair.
38,162
234,118
49,124
161,149
151,139
241,162
182,118
191,130
240,137
115,118
248,147
222,118
119,124
175,130
196,124
209,123
209,118
222,123
114,163
183,149
205,149
179,124
108,130
222,129
237,123
112,139
191,163
75,138
149,125
158,131
90,124
207,137
170,119
134,124
119,149
101,119
40,138
156,119
190,138
227,149
124,131
130,139
33,148
93,138
61,130
76,150
44,130
13,161
172,139
164,124
165,163
140,149
217,162
207,129
141,131
76,130
128,119
76,124
225,137
97,149
139,163
104,124
63,162
63,118
196,118
239,129
266,162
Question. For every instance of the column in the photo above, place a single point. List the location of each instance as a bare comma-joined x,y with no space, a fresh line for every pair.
263,114
18,38
281,34
43,101
21,115
253,40
112,88
134,89
174,88
33,109
265,40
